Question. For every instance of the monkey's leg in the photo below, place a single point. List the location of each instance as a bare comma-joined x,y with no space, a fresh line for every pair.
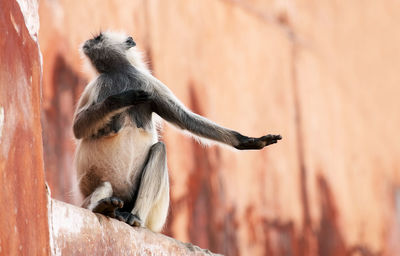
102,201
152,202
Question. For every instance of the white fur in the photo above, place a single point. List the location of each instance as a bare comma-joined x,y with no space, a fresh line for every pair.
135,57
103,191
119,158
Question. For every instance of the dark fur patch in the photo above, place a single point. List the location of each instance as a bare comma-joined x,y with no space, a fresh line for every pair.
112,127
140,115
113,83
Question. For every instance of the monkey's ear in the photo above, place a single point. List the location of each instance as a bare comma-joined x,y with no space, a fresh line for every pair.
129,41
98,37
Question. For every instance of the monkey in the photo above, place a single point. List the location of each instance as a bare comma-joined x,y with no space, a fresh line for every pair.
121,164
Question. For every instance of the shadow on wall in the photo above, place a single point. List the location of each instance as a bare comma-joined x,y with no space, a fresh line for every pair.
208,228
217,232
58,141
326,240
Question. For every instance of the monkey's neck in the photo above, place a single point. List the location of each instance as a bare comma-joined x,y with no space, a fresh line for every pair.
111,66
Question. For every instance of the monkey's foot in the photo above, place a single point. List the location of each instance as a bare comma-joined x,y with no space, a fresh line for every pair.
257,143
108,206
129,218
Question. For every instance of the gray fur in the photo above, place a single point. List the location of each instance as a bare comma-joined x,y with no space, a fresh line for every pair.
118,145
154,186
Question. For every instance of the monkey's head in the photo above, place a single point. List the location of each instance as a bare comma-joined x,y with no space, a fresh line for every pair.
108,51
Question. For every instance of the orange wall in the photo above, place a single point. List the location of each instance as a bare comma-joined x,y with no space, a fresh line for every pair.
324,74
23,200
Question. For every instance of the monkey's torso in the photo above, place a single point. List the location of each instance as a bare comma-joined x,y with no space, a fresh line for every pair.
118,150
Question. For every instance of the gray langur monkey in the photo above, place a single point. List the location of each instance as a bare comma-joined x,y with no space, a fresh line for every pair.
121,165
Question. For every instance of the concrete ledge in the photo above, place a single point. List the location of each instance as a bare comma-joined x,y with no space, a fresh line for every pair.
77,231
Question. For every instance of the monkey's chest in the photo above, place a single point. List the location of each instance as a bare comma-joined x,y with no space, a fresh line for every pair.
129,157
118,159
137,116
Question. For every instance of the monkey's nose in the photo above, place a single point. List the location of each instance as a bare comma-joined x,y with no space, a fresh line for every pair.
130,42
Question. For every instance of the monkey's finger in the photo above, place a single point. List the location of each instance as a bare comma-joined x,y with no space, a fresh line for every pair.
134,221
130,220
120,218
271,142
137,223
270,137
273,137
117,202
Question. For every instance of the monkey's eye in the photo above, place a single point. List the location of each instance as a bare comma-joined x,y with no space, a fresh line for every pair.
129,41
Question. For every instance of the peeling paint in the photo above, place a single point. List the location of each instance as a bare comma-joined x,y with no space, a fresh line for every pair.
74,222
16,27
53,248
29,9
11,118
101,235
23,96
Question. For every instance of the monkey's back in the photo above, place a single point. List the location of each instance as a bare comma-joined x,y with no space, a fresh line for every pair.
118,159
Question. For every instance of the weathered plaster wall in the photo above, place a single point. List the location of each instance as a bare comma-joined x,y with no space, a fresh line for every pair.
77,231
322,73
23,202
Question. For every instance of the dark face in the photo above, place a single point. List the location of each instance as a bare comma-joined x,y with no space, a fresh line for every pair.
107,51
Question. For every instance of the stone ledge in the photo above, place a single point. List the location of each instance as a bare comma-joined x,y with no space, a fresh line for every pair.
77,231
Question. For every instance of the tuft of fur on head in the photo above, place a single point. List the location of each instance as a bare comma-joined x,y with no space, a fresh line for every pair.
110,50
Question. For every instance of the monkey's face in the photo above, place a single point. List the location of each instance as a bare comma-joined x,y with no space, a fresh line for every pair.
107,51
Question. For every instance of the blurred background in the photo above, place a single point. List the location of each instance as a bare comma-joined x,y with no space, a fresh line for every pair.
324,74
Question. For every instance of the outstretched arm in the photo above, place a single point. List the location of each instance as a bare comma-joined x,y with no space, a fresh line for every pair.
169,108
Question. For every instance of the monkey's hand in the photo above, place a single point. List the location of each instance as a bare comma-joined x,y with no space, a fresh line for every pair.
256,143
128,98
